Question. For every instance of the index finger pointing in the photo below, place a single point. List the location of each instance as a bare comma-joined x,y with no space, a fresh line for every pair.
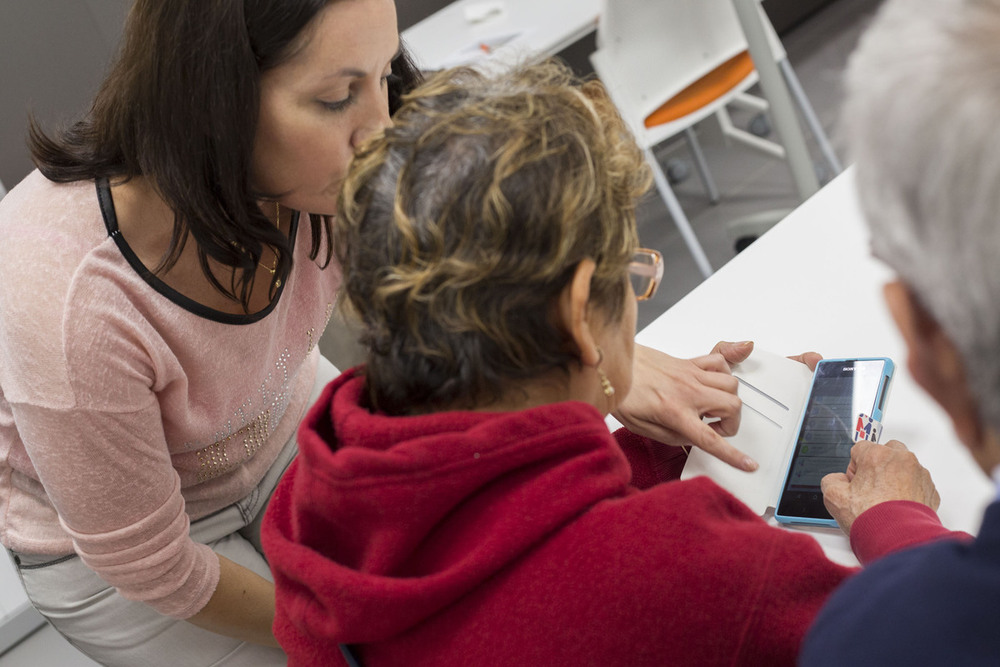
704,437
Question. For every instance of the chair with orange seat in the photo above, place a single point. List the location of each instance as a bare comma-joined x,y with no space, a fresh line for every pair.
669,64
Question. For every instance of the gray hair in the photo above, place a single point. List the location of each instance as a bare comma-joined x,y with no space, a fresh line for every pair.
922,120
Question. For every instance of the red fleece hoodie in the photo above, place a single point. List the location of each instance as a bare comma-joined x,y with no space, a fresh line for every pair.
475,538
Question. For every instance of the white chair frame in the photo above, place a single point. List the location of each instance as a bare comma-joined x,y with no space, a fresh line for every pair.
630,36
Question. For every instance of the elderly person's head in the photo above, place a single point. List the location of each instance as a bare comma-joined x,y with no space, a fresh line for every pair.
921,117
486,239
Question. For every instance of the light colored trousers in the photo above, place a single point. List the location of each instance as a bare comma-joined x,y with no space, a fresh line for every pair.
114,631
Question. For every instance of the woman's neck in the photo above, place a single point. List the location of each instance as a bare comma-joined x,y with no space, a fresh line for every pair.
146,222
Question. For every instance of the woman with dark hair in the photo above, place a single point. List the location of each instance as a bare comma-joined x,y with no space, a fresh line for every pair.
162,297
458,500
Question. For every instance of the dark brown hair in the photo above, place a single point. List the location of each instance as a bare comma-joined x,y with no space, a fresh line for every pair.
180,106
460,225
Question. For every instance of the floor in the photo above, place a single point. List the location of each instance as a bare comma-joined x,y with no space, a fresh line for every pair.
749,183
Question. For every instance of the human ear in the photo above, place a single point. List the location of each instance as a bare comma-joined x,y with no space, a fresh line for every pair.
574,314
936,363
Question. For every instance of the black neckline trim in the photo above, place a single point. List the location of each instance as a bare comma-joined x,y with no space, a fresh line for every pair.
107,206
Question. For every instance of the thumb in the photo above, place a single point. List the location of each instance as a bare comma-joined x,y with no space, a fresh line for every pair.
734,353
837,499
834,484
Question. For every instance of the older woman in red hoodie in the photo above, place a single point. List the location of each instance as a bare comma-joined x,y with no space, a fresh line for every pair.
459,500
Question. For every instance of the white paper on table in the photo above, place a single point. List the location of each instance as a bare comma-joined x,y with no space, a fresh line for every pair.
482,49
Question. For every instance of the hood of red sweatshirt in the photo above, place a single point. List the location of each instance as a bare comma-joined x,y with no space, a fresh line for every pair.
383,521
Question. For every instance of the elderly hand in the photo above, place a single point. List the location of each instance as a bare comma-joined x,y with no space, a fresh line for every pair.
876,474
670,396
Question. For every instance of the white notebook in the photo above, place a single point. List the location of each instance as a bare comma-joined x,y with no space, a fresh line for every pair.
774,390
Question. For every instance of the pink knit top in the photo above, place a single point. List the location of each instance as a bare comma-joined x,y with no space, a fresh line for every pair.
126,410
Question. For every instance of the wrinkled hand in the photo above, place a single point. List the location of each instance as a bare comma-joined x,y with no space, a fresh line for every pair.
670,396
876,474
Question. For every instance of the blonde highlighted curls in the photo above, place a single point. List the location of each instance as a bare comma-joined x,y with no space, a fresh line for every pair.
461,223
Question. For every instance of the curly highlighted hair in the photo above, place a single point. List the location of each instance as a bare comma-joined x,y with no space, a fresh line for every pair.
460,225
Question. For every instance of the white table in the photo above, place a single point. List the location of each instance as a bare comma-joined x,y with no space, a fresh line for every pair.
447,38
810,284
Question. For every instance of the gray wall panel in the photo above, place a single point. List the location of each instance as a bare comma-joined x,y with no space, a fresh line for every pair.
52,57
53,54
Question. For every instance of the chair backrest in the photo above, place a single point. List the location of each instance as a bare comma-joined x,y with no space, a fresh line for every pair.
657,48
